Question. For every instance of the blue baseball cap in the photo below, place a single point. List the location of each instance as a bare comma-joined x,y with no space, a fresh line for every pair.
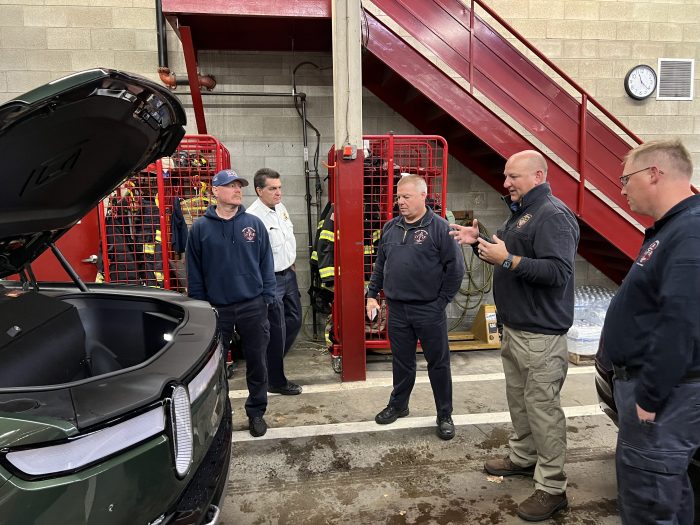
227,177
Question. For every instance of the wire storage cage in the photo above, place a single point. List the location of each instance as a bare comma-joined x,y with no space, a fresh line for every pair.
145,221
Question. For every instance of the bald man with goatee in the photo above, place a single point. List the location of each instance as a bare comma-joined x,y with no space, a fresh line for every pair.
533,258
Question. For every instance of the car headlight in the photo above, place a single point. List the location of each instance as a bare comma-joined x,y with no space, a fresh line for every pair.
199,384
182,429
91,448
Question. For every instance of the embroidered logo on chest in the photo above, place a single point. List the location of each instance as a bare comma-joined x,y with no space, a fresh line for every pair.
420,236
249,233
644,258
522,221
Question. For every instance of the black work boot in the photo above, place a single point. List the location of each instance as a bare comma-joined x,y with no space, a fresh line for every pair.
390,414
257,426
445,427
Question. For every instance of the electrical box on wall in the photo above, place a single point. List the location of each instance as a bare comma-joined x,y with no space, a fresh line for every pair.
349,152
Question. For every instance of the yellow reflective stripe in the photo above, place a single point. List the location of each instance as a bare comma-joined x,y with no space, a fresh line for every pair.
327,236
149,248
369,250
314,256
376,235
159,276
158,238
326,272
320,224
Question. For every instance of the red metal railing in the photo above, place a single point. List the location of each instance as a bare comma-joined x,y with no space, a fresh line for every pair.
585,96
497,69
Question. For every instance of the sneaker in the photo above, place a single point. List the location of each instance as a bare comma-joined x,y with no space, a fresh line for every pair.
257,426
505,467
445,427
541,505
390,414
290,389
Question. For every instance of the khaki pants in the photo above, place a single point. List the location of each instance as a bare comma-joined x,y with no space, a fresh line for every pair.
535,367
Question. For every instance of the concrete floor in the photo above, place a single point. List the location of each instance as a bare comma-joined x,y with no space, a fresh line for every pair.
325,461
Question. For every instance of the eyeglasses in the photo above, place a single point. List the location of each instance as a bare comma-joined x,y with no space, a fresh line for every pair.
625,178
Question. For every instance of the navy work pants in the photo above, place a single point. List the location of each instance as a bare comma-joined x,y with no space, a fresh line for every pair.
249,319
407,324
652,458
285,322
288,289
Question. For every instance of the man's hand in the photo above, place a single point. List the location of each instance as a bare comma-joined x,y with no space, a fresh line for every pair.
493,252
372,308
465,234
645,416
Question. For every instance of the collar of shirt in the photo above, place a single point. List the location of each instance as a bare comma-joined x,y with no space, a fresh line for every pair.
279,230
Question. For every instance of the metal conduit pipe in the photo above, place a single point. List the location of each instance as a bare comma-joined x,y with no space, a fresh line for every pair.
168,77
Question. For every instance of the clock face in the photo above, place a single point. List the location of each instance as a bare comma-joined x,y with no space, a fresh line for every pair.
640,82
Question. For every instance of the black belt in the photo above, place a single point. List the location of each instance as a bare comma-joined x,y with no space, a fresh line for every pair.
625,373
284,272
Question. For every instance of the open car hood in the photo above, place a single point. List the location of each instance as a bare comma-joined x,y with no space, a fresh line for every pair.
66,145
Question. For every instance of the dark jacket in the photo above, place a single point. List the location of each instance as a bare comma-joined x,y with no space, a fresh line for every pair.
538,295
229,261
417,262
653,322
178,228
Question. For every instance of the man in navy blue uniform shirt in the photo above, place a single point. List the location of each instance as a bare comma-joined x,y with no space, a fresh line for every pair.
652,337
420,270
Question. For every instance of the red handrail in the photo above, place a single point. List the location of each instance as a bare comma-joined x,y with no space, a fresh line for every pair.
585,96
551,64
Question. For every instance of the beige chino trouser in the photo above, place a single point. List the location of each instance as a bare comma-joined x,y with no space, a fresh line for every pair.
535,366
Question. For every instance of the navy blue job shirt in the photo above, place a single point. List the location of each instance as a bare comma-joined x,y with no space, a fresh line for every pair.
653,322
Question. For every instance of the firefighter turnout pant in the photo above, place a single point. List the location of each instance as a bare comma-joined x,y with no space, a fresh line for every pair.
427,322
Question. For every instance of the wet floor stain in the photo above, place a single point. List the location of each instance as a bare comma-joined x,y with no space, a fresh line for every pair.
573,430
307,409
497,438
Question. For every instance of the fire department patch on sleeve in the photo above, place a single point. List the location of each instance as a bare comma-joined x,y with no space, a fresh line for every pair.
249,233
644,258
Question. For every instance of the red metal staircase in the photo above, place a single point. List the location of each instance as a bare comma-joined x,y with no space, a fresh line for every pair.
435,103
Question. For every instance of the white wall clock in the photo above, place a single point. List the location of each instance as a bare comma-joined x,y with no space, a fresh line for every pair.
640,82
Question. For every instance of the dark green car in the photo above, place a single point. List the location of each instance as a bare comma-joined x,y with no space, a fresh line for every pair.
114,401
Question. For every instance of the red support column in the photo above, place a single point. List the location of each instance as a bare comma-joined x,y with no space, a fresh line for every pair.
350,264
193,77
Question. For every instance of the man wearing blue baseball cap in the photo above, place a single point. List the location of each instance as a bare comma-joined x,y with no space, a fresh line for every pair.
230,264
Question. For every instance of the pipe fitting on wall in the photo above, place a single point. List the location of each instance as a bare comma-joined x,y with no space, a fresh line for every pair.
169,78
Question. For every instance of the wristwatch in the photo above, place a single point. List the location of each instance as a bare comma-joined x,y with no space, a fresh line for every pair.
508,262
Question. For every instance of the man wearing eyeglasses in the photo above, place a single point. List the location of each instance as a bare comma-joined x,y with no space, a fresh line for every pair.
652,336
533,285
